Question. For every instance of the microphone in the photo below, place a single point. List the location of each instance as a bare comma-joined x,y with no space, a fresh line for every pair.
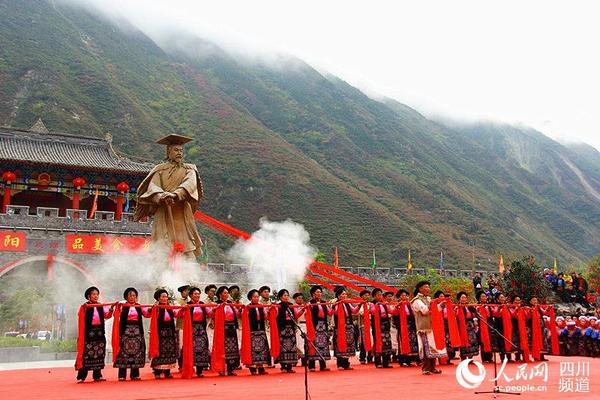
290,313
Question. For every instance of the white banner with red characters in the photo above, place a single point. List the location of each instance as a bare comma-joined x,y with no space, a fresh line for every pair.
100,244
13,241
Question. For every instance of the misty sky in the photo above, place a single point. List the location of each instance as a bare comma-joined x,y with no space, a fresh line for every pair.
535,62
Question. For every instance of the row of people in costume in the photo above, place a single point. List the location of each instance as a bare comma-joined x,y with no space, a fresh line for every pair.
471,329
578,336
500,327
269,331
129,345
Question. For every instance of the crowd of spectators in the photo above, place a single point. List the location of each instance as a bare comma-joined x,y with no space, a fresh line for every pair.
571,288
493,283
568,287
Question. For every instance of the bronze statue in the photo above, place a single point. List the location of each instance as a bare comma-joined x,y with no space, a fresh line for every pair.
171,193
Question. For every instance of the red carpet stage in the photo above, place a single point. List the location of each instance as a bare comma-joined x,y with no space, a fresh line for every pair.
365,382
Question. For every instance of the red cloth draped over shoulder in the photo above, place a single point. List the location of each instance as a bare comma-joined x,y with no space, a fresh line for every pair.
153,346
437,325
310,330
275,349
341,327
378,342
536,333
523,333
452,325
187,370
462,325
367,327
484,330
554,332
246,340
116,332
507,328
217,360
404,340
81,336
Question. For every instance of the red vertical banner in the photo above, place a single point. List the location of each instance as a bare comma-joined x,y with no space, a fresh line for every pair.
94,205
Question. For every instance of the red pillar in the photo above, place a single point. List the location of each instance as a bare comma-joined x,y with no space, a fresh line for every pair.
75,205
119,210
77,184
6,198
122,188
8,177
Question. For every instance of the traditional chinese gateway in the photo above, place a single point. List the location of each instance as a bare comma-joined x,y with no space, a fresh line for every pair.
64,198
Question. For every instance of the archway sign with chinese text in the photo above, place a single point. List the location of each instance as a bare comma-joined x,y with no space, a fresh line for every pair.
101,244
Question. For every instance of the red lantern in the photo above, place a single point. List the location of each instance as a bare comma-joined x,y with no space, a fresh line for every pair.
78,182
9,177
123,187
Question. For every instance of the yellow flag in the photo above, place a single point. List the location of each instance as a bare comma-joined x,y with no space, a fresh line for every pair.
409,266
501,265
555,266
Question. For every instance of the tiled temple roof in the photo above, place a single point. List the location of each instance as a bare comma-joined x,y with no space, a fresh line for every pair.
37,146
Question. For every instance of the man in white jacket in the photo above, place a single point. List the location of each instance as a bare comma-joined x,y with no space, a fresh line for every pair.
421,305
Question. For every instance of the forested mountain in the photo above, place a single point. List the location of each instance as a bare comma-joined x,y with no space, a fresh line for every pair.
282,140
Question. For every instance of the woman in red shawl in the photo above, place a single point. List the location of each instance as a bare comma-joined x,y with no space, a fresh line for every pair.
319,311
529,314
364,356
285,316
168,348
516,337
406,360
348,349
381,314
254,320
91,344
470,343
230,321
132,344
499,315
487,312
199,336
449,349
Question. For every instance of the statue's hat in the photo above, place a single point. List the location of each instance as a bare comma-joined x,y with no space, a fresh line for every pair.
174,139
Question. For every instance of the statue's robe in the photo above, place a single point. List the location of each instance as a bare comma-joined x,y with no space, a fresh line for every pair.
185,182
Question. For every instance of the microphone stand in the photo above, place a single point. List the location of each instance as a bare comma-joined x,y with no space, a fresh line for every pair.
496,391
306,348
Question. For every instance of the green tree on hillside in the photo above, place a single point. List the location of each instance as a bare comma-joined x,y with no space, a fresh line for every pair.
525,279
593,273
449,286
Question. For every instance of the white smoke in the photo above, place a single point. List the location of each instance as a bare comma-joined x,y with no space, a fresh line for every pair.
277,253
145,272
113,273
